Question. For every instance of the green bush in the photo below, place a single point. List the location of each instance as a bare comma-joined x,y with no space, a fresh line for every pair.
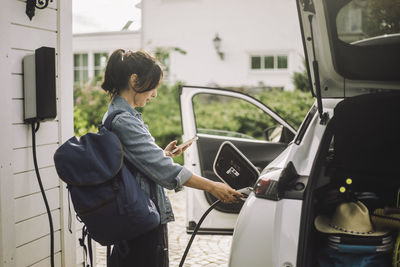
300,79
90,104
162,115
290,105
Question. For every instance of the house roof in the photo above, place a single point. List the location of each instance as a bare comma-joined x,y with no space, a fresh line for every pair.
106,33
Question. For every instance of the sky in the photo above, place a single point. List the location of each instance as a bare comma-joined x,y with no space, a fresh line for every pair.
104,15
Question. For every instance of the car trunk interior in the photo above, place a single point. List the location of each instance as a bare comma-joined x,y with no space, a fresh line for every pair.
358,159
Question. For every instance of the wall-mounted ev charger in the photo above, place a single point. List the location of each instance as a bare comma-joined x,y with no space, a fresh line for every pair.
40,105
40,85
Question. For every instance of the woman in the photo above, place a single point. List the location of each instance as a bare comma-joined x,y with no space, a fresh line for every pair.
132,78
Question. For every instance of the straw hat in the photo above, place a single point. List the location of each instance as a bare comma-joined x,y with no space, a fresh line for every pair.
351,218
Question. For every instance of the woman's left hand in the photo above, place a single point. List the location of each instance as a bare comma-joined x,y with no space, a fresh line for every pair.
171,147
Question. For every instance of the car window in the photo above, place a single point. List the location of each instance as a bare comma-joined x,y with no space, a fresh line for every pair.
233,117
365,21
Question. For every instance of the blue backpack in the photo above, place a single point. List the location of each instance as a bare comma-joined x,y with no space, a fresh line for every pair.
104,192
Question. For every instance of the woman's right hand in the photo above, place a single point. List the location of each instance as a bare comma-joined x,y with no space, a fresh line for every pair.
224,192
220,190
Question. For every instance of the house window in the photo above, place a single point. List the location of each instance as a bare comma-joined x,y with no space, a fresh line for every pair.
255,63
268,62
81,73
282,62
100,61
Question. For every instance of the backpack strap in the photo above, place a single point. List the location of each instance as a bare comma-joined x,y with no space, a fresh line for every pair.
110,118
131,167
86,249
153,191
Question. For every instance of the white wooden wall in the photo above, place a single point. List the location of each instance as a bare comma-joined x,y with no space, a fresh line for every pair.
24,228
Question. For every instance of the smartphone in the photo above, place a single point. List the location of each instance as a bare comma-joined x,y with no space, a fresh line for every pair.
187,142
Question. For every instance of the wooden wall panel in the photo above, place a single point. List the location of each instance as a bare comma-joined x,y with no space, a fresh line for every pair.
28,241
17,111
16,86
25,183
33,205
37,250
20,49
23,159
36,227
46,262
79,257
65,115
7,226
52,5
47,134
43,19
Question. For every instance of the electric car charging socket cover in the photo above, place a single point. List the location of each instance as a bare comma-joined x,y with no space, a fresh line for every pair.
233,168
352,53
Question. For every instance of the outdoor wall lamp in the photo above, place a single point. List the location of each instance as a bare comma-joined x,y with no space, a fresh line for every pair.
217,46
31,5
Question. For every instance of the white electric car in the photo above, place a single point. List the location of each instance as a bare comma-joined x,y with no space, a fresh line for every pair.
352,50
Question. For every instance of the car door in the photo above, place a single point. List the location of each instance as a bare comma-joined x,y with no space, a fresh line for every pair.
215,116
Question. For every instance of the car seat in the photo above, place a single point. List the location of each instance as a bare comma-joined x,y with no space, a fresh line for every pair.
366,131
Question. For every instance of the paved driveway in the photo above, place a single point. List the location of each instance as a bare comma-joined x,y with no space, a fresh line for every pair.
206,250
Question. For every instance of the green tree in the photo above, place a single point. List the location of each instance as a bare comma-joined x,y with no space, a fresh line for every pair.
300,79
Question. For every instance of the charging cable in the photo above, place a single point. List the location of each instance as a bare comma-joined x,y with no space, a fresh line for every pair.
35,128
195,231
244,191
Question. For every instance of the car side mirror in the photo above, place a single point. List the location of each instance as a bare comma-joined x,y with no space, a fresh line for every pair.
273,133
278,133
233,168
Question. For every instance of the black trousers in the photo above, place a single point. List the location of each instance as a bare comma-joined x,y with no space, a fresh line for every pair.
147,250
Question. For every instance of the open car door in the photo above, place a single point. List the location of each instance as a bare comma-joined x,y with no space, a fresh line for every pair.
215,116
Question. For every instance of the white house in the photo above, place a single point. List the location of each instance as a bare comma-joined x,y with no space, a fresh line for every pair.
260,40
24,227
91,51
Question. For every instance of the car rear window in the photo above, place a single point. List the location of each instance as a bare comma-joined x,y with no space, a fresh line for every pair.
365,38
368,22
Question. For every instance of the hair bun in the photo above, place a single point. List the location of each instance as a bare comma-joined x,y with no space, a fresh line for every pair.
114,71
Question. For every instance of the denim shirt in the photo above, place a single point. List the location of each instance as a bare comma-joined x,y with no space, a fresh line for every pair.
148,158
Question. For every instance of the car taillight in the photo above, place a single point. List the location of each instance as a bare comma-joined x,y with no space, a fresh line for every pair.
266,188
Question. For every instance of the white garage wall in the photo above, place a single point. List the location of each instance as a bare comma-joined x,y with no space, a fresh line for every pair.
24,232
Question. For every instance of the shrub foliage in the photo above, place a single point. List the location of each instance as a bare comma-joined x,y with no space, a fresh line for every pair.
163,118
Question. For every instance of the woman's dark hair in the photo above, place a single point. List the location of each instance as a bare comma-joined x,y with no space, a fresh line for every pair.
122,64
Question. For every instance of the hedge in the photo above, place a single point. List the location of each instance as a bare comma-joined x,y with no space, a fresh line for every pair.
162,115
